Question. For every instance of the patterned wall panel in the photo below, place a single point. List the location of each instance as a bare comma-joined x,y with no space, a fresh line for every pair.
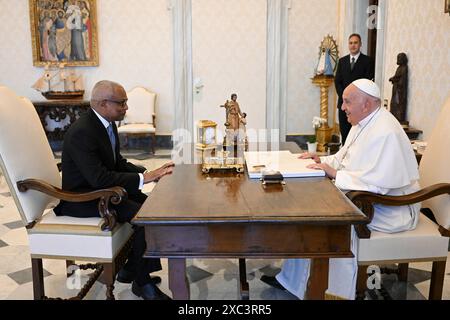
421,29
229,55
309,23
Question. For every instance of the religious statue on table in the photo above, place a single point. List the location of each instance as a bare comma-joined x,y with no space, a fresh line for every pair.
400,89
235,122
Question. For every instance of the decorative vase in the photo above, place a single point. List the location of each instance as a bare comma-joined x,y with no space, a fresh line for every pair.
312,147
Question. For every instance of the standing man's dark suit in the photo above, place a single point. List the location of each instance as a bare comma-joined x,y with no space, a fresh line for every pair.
88,164
363,68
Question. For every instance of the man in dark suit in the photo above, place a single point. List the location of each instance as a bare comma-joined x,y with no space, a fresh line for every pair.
352,67
91,160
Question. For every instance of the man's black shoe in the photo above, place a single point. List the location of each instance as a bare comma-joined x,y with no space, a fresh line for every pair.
148,291
272,281
125,276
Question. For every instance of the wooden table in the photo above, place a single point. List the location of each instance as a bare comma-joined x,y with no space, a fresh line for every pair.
228,215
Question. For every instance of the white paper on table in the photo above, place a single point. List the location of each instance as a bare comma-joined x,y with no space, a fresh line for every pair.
285,162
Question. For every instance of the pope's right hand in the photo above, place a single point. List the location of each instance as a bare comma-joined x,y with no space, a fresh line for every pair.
307,155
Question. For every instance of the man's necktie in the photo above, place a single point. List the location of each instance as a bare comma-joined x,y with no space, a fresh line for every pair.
112,138
352,64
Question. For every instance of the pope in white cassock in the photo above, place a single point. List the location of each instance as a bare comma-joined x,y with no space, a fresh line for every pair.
377,157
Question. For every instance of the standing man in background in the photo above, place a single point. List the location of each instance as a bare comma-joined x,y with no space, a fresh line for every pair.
352,67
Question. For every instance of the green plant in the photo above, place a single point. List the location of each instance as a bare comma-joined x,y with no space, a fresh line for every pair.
312,139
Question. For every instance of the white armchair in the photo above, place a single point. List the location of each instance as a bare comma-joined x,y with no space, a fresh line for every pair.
430,240
32,175
140,118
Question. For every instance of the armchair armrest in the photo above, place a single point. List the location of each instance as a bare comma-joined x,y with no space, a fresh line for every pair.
365,201
113,195
154,119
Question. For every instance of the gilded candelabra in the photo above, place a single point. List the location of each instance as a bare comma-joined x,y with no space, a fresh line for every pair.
323,133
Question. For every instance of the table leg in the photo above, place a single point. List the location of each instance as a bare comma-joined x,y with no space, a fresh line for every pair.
178,283
318,279
243,284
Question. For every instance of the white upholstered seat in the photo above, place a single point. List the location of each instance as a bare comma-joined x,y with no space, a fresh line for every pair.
25,154
76,238
423,243
140,117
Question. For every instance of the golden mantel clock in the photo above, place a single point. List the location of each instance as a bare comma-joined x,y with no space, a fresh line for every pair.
206,134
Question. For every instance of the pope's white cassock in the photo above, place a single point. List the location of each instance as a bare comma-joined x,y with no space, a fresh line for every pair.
377,157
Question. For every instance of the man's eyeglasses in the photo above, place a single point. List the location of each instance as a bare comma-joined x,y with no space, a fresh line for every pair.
121,103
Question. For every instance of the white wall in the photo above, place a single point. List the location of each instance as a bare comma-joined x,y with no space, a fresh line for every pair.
309,23
229,56
421,29
135,48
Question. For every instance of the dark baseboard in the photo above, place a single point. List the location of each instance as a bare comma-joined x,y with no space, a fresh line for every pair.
300,140
162,142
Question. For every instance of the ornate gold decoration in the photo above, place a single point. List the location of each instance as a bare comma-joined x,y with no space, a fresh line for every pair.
206,134
323,133
222,160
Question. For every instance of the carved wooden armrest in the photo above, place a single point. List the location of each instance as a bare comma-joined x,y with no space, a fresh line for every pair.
113,195
365,201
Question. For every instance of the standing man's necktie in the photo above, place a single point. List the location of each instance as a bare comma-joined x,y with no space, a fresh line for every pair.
352,64
112,138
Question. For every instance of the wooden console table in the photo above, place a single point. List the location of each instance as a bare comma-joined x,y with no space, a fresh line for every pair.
228,215
58,111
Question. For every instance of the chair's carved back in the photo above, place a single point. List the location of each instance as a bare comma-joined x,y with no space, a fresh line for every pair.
435,165
25,153
141,106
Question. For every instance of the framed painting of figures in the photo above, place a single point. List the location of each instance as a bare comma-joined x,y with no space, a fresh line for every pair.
64,31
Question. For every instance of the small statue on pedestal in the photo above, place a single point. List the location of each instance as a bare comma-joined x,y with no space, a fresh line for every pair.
235,123
400,89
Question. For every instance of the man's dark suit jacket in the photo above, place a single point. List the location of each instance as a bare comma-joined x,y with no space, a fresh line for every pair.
88,164
364,69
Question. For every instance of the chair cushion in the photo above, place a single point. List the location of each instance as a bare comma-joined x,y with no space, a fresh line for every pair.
141,106
434,166
137,128
78,238
25,154
421,243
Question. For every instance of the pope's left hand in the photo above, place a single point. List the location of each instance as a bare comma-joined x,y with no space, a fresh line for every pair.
331,172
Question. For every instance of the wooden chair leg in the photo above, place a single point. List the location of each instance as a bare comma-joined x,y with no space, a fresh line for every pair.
108,279
70,271
437,280
403,272
243,285
38,278
361,283
153,142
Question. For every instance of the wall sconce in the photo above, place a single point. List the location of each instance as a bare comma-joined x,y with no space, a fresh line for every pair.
198,85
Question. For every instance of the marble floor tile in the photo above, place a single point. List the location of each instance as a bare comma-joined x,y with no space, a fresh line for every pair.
25,276
16,237
55,267
15,225
3,229
7,286
195,274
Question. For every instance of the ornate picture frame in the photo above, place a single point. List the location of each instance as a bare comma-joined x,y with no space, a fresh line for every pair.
64,31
